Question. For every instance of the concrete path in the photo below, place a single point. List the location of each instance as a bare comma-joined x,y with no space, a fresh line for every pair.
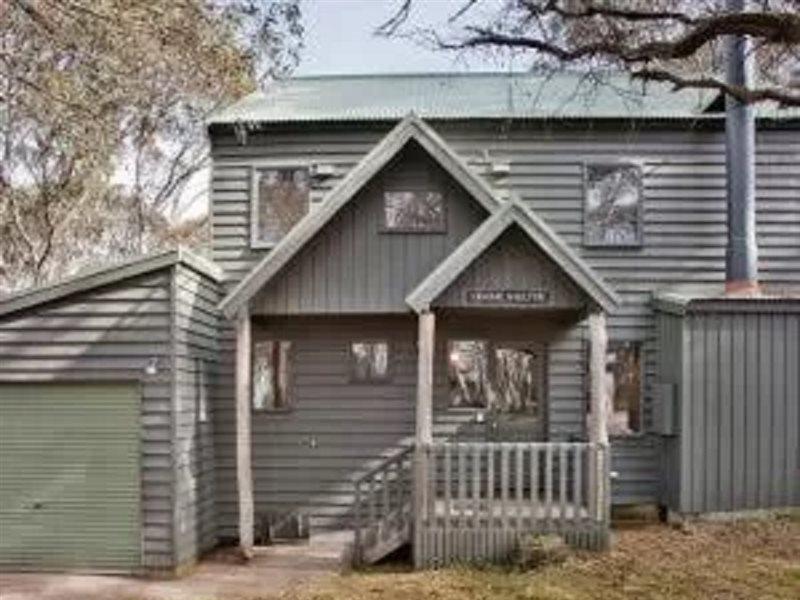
273,570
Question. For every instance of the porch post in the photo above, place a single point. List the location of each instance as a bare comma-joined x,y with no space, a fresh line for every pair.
426,337
244,469
598,431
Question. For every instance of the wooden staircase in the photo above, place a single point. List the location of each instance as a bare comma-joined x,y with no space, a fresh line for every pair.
383,515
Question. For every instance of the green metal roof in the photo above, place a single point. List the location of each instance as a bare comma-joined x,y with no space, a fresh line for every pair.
460,95
467,95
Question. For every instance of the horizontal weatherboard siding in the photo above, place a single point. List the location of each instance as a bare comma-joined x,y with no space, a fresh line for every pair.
196,359
165,318
684,226
109,334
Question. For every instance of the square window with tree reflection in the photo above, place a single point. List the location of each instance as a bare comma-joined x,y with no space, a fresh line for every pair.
622,388
369,361
613,205
282,199
414,212
502,378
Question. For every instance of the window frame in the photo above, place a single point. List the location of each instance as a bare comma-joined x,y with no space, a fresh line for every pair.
587,243
202,407
492,345
353,378
290,396
255,171
384,227
613,346
544,348
489,367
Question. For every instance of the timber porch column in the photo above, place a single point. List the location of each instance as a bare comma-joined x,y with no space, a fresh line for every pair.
598,336
426,343
244,468
598,429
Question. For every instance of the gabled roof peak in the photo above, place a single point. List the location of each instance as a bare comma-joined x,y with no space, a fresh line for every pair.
513,212
107,275
411,127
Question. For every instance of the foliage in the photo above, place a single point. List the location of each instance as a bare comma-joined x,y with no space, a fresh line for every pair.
102,120
675,41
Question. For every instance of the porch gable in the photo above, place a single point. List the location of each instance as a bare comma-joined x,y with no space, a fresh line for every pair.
477,274
512,273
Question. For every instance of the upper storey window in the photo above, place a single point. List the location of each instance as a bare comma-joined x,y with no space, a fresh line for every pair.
613,205
281,200
414,211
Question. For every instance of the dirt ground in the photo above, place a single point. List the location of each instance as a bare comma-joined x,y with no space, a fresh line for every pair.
744,560
218,577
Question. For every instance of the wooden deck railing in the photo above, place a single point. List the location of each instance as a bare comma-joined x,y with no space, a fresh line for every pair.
480,497
383,508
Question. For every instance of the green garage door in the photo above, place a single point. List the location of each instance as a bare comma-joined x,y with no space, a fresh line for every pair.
69,476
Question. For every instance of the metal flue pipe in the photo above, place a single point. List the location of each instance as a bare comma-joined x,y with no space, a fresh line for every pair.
741,257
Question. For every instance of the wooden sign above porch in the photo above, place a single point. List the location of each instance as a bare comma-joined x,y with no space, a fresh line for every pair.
508,297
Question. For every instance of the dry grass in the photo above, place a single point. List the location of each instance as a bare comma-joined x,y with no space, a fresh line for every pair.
753,559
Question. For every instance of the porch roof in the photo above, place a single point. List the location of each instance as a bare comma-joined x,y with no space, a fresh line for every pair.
410,128
513,212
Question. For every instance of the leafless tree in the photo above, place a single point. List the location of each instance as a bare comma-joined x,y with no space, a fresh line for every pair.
672,41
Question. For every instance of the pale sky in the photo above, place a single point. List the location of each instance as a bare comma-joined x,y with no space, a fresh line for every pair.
339,38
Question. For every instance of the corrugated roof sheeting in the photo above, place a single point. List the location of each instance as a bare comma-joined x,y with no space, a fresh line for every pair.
469,95
459,95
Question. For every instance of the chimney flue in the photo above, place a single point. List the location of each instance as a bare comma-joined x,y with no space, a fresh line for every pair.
741,257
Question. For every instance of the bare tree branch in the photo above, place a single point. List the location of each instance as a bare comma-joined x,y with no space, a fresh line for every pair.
744,95
668,41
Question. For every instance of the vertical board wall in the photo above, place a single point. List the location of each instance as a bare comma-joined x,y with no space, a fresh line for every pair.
737,367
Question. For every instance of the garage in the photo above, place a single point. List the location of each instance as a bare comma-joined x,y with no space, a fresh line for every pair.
106,440
69,476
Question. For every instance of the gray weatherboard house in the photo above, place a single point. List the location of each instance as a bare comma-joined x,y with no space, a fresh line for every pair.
442,309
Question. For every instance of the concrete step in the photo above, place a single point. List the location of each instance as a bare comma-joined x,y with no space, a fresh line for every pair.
333,543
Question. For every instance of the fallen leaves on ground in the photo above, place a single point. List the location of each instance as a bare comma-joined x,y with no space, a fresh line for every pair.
741,560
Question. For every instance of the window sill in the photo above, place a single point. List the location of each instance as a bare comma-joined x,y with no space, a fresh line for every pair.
262,245
376,382
271,411
594,246
627,437
408,231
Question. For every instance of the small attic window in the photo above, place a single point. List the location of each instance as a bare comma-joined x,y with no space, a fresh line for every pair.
613,205
281,199
414,212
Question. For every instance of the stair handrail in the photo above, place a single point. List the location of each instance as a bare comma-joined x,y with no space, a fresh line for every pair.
383,467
